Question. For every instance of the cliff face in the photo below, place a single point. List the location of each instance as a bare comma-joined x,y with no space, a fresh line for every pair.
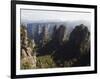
42,32
80,39
28,58
79,34
76,51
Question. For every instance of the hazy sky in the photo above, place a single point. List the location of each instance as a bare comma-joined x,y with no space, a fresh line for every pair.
38,15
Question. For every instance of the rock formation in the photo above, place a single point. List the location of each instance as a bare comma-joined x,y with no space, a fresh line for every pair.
78,46
28,59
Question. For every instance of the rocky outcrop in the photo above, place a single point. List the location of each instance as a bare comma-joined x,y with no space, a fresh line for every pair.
76,51
42,32
80,38
78,46
28,58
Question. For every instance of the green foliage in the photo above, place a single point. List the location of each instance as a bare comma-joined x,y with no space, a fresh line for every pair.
45,62
26,65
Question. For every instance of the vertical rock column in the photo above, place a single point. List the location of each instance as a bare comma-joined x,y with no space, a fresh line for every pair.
28,59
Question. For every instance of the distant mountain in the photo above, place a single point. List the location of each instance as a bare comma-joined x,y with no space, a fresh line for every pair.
35,29
69,24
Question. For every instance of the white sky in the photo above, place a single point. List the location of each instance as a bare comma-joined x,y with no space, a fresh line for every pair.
37,15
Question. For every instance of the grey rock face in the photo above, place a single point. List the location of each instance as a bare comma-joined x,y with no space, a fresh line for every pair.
28,59
41,32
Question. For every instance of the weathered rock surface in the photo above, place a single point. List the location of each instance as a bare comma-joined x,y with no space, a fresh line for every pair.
28,59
